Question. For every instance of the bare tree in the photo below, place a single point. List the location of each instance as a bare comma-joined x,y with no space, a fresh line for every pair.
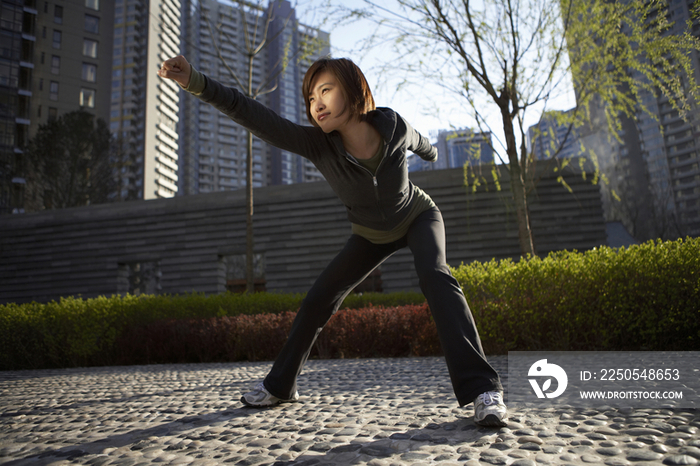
629,208
515,56
256,21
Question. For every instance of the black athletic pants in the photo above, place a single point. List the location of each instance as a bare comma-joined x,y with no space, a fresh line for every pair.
471,375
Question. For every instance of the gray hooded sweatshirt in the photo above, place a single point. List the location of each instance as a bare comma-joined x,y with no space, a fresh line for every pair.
379,201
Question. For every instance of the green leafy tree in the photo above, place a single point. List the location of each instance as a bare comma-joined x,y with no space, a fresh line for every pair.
69,163
511,58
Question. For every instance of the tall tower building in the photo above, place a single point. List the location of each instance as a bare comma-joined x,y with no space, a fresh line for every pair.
455,149
55,58
303,45
656,168
671,146
144,107
653,169
548,137
214,147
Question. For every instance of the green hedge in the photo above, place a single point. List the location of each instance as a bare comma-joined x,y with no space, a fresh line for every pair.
645,297
76,332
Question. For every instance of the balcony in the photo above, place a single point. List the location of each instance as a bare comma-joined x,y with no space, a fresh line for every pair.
25,79
21,135
29,24
27,54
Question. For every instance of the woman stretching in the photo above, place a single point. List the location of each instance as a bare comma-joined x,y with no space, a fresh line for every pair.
361,151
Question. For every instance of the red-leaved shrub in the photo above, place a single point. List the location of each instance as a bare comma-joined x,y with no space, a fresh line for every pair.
379,332
351,333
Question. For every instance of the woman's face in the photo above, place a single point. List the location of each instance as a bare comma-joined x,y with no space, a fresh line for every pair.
327,102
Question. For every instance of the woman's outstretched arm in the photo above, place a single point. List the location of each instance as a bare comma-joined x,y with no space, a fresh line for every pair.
249,113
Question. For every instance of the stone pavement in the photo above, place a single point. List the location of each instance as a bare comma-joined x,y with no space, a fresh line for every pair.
372,411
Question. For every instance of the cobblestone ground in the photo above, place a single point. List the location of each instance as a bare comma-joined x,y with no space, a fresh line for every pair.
373,411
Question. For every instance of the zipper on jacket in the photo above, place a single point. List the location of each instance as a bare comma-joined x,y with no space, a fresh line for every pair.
374,181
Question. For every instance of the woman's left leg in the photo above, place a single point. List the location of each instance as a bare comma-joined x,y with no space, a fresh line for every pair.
470,373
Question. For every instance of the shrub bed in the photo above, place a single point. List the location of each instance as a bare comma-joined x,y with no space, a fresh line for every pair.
77,332
645,297
351,333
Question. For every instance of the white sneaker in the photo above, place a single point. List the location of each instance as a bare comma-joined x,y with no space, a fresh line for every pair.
489,410
261,398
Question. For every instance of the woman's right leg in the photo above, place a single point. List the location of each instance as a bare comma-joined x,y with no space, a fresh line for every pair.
352,265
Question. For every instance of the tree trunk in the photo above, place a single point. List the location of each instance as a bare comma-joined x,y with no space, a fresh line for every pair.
517,187
249,269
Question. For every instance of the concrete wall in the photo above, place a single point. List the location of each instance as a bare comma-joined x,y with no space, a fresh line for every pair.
91,251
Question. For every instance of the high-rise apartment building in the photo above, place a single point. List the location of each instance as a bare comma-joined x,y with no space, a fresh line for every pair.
652,171
670,147
299,46
55,58
455,149
655,168
144,111
549,138
214,147
59,56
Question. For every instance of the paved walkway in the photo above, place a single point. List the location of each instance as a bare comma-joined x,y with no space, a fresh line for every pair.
376,412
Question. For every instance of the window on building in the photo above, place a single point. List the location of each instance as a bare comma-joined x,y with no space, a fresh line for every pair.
9,20
53,113
89,72
92,4
9,74
235,266
139,278
92,24
57,39
90,48
58,14
87,98
55,64
53,90
7,135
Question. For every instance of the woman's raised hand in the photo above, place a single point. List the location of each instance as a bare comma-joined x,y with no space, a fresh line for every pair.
177,69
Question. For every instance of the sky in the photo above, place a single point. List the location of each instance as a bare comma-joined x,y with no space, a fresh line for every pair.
427,108
415,105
